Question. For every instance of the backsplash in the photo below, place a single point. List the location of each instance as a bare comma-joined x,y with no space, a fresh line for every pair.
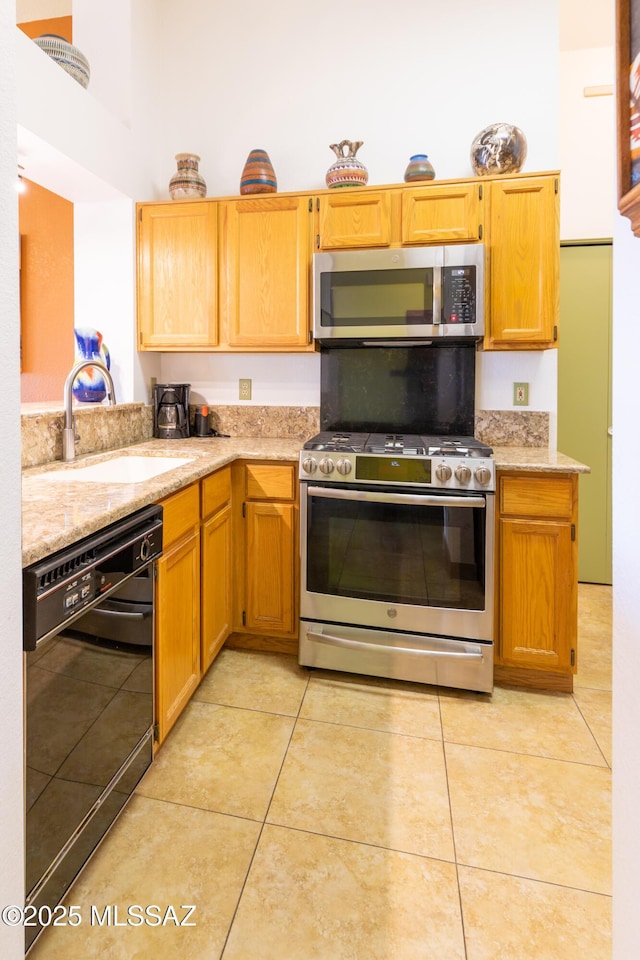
98,428
107,428
513,428
291,422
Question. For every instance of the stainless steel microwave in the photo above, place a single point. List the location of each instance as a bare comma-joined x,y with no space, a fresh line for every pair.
402,293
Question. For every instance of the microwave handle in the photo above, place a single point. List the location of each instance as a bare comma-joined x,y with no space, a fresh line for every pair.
438,303
369,496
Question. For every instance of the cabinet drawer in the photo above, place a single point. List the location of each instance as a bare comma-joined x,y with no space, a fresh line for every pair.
216,491
181,513
267,481
537,496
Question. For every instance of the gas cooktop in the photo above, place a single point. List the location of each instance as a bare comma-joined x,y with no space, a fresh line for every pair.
394,458
395,444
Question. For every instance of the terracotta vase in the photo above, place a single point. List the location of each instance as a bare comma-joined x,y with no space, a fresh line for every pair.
347,171
258,175
419,168
187,181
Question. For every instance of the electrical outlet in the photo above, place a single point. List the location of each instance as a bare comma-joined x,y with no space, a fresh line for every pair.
521,394
244,389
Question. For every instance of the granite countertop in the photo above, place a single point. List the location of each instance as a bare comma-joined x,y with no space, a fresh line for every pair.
536,458
56,514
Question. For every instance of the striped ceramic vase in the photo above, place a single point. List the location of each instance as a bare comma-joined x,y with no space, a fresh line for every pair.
258,175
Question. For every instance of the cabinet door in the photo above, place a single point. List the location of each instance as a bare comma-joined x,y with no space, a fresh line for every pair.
177,630
442,214
216,584
347,220
264,273
177,276
537,622
270,571
524,253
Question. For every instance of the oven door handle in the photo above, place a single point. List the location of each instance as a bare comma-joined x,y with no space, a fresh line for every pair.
369,496
335,641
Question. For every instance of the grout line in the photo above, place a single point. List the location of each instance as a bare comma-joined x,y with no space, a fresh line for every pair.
264,821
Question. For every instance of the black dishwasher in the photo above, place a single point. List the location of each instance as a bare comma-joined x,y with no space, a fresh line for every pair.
88,642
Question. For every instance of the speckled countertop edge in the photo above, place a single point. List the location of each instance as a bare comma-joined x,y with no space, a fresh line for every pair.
533,459
55,515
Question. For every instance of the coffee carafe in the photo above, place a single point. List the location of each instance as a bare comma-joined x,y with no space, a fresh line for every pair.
171,410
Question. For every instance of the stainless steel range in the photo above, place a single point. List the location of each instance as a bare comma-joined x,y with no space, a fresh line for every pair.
397,539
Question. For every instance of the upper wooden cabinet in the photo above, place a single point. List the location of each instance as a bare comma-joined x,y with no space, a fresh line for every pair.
442,214
523,248
177,276
353,219
265,260
235,274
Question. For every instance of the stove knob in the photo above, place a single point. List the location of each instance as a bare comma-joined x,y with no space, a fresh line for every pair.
326,465
309,464
483,474
343,466
463,474
443,472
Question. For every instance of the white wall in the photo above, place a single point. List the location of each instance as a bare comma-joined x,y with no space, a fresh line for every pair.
587,144
11,751
626,579
401,85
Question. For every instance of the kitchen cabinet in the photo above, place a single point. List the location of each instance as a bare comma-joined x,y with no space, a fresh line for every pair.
523,252
353,219
265,270
177,661
537,594
216,590
443,214
266,550
177,276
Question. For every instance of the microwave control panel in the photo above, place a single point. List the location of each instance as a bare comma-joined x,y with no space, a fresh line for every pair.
459,294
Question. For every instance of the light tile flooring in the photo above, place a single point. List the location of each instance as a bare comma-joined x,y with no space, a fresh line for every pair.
313,816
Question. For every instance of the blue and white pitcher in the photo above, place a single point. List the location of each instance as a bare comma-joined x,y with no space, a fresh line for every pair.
89,386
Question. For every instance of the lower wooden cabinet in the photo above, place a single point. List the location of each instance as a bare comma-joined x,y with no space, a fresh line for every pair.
266,552
229,564
177,659
537,596
216,583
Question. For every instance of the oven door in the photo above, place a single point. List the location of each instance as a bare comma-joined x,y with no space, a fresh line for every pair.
398,559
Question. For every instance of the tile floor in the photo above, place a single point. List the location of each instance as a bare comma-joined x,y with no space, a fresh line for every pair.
312,816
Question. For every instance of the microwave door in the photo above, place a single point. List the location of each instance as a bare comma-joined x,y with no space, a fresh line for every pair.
391,293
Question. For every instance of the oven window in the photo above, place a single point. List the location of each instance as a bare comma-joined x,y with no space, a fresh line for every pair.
405,554
376,297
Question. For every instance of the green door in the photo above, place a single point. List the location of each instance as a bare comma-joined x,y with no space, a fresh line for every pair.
584,395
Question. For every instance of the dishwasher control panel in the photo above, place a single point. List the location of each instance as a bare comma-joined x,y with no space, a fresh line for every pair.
60,588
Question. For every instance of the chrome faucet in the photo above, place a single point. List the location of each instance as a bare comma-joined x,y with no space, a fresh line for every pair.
69,430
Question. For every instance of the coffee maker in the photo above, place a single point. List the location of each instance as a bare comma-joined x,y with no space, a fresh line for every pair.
171,410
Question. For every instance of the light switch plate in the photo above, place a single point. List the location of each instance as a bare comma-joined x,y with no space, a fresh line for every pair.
521,394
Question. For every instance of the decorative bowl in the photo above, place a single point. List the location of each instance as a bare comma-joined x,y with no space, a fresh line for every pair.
69,57
499,148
